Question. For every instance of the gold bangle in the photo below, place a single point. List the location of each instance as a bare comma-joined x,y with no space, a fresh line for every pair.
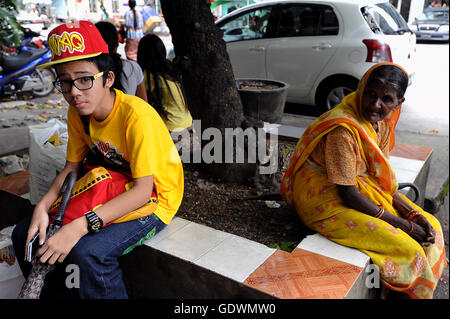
409,213
412,215
380,212
412,227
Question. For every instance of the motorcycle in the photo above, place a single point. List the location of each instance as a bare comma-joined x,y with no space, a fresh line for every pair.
19,75
33,39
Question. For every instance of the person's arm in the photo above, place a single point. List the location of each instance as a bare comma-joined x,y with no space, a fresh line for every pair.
408,212
40,218
141,91
60,244
353,199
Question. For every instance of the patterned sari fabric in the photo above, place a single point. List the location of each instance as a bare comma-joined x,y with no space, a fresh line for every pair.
404,265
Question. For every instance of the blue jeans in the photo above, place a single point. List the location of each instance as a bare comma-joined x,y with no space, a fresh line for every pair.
95,256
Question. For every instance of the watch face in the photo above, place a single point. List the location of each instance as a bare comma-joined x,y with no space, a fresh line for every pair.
97,225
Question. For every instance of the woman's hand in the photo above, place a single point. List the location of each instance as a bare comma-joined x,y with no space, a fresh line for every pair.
430,232
418,233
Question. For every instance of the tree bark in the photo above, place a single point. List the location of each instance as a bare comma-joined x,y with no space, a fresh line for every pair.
203,59
208,78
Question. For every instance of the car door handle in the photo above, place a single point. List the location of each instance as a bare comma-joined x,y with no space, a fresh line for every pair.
257,49
322,46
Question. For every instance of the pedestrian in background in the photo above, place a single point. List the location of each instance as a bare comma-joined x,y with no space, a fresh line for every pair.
135,30
163,84
130,78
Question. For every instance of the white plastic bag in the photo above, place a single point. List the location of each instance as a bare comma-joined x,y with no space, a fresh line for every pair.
48,147
11,278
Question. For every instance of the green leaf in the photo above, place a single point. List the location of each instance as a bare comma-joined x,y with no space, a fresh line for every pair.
11,33
285,246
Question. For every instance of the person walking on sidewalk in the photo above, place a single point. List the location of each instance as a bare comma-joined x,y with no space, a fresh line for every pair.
131,182
135,30
341,184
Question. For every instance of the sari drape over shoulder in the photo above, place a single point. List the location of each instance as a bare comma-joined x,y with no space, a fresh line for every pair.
403,263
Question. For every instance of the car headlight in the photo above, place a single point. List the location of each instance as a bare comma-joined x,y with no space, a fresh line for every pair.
413,27
443,28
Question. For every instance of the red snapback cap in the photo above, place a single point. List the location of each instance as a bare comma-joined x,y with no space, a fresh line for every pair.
74,41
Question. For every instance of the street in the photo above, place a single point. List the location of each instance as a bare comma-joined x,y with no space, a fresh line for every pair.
426,107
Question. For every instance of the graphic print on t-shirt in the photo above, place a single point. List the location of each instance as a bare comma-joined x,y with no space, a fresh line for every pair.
110,154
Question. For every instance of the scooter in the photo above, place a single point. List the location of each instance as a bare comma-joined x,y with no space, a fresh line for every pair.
19,75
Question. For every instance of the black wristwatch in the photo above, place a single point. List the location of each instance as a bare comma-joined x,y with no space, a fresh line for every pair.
95,223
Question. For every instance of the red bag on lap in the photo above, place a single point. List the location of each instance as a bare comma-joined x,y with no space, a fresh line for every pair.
97,187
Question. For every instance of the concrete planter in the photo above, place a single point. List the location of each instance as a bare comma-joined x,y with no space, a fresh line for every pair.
263,99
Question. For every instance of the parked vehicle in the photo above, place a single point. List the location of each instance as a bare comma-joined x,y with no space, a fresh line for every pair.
31,21
19,75
432,24
321,48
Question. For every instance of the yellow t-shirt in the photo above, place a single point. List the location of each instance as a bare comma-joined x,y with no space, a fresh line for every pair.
177,116
133,136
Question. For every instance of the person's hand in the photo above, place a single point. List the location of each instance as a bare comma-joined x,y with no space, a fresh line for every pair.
39,222
418,234
57,247
430,232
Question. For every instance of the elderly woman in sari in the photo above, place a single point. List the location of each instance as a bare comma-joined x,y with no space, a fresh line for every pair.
341,184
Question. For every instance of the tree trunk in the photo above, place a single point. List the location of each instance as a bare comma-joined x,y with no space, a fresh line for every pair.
208,78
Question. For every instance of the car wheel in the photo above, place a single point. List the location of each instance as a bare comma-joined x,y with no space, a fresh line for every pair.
47,76
332,93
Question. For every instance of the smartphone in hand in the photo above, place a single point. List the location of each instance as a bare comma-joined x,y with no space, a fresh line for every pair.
33,246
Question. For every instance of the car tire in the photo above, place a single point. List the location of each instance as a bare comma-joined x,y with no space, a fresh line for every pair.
331,93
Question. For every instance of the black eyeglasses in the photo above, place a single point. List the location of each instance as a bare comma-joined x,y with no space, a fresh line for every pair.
82,84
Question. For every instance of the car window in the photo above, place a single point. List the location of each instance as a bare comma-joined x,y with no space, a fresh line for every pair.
248,26
304,20
434,15
383,18
329,24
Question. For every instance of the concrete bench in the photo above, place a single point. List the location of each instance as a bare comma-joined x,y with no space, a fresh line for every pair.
189,260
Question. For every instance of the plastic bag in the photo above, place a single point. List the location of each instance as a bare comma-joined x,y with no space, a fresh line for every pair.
48,147
11,278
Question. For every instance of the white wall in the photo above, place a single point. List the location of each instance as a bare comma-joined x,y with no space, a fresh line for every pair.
415,9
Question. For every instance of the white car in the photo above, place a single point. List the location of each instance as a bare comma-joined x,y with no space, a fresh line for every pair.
321,48
30,21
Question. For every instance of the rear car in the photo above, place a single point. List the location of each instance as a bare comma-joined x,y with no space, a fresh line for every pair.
432,25
31,21
321,48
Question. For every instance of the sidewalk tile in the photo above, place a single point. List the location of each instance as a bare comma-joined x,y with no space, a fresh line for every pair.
323,246
17,183
406,163
175,225
227,257
304,275
411,151
191,241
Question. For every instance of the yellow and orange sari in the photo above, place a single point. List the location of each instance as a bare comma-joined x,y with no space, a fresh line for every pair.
403,263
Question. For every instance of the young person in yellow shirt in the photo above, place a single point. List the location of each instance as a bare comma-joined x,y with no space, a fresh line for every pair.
122,131
163,84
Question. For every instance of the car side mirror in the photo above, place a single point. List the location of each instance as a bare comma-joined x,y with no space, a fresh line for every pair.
236,31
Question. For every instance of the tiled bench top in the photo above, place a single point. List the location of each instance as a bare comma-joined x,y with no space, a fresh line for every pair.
316,268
